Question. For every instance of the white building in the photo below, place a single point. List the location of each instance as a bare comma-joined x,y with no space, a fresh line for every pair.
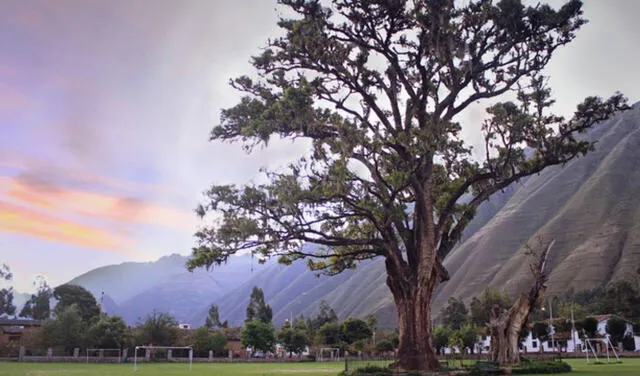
572,341
565,342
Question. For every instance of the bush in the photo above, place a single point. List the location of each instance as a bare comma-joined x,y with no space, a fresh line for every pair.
549,367
376,371
628,343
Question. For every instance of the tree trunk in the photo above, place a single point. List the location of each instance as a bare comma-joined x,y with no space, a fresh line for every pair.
505,325
413,303
505,331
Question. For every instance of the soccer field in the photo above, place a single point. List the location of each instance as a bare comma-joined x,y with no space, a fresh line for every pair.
629,367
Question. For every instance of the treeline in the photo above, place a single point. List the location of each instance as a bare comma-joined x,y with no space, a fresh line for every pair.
461,326
77,322
322,330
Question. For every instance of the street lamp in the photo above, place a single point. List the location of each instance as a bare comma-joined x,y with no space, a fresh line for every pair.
551,328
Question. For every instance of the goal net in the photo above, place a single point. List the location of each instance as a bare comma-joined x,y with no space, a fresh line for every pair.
599,345
326,354
104,355
162,353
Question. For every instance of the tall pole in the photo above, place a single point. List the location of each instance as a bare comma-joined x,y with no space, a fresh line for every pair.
573,329
553,342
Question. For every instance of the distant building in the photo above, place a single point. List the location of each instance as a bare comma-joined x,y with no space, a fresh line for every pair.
184,326
13,330
571,341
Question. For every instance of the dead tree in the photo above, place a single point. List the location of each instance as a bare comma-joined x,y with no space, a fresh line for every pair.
505,325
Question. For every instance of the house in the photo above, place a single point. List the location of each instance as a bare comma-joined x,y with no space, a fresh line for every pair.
14,330
571,341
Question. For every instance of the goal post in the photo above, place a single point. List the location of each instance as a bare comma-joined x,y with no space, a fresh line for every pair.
189,350
607,345
102,354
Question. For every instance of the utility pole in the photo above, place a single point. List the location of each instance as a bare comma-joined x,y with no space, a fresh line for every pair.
573,329
553,342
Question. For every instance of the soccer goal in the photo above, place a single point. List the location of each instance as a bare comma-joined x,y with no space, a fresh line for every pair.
325,354
592,343
172,354
104,355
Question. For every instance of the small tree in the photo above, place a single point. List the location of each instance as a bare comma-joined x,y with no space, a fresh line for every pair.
355,330
108,332
213,318
205,341
38,306
469,333
331,333
67,330
257,308
293,340
441,339
455,314
159,328
616,328
258,335
457,342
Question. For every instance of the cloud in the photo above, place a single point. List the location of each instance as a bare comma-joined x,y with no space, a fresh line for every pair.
18,219
47,194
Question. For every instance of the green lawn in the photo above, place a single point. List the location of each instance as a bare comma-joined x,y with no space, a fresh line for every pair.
628,368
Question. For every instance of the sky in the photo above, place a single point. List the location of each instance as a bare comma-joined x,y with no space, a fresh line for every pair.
105,110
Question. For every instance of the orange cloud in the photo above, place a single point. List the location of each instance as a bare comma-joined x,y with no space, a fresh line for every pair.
45,195
18,219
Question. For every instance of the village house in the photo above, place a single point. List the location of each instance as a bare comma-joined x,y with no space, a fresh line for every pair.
12,331
571,341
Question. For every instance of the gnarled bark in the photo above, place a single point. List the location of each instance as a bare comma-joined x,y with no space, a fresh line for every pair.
413,303
505,325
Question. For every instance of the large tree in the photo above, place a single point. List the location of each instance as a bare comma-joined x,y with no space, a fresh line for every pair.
84,301
377,88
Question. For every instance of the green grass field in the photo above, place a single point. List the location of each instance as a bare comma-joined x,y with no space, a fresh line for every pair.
628,368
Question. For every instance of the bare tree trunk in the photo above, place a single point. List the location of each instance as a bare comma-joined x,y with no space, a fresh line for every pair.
413,303
505,326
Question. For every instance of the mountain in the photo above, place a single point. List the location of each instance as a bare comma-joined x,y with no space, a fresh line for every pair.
135,289
590,207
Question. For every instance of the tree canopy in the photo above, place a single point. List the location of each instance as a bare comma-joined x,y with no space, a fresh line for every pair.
158,328
213,318
259,335
455,314
481,307
38,306
258,309
377,89
84,301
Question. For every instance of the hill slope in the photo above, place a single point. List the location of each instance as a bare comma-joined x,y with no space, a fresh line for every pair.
590,206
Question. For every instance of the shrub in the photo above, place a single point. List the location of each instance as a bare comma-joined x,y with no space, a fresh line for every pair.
548,367
628,343
376,371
